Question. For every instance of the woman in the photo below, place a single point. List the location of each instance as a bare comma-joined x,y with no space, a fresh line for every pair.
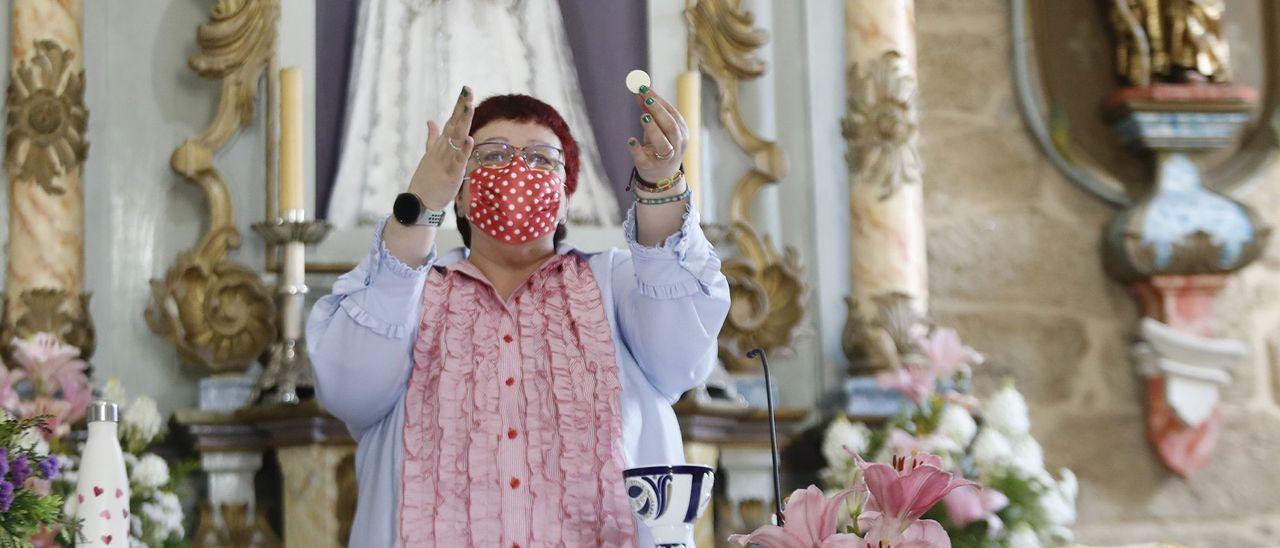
496,392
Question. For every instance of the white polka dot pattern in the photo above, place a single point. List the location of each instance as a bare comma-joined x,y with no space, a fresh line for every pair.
494,201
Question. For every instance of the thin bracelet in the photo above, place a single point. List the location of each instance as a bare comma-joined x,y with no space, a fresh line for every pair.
665,199
660,186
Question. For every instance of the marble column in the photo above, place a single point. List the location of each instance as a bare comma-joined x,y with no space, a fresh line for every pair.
881,128
318,493
45,152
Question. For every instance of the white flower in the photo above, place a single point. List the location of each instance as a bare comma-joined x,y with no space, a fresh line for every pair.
69,506
31,439
151,471
135,527
1006,411
842,433
114,391
1028,457
1022,536
165,514
991,450
142,422
957,425
1059,501
130,460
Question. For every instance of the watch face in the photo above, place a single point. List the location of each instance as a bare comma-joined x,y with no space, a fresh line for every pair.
406,209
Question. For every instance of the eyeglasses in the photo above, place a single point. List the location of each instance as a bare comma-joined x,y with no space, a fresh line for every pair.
497,154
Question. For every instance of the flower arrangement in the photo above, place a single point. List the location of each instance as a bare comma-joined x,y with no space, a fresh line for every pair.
889,502
1020,504
27,506
155,510
50,381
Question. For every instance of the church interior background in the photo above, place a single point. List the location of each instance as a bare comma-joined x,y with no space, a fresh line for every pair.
1030,237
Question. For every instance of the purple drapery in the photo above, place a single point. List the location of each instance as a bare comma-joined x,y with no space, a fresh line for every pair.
608,39
335,38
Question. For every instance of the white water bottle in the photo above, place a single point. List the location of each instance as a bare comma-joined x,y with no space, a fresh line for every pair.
102,489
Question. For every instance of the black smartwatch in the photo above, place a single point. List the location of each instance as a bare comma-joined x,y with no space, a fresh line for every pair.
410,211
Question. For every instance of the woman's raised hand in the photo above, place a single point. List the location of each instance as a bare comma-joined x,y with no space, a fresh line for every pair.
665,136
443,165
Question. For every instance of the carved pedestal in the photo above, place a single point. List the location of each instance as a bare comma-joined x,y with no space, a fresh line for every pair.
1175,248
230,456
317,460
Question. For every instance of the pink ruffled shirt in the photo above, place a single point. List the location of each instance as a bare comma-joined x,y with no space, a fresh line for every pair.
486,423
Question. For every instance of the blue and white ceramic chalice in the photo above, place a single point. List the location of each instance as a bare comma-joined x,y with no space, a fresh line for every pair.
669,499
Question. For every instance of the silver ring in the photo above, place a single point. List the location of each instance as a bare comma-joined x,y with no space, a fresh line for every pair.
451,145
666,156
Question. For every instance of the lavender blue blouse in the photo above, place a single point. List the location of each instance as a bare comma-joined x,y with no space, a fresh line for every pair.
665,306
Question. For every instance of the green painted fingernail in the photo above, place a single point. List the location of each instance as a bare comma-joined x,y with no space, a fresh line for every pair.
646,118
466,108
631,141
644,89
649,101
464,91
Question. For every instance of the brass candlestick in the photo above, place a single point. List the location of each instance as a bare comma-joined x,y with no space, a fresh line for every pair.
287,369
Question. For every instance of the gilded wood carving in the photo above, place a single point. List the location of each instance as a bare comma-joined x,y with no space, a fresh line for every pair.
45,117
768,292
216,311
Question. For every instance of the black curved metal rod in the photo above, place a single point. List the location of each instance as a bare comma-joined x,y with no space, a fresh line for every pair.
773,432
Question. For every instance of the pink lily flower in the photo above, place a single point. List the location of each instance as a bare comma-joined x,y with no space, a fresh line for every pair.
47,360
900,494
810,520
946,353
915,381
77,393
965,506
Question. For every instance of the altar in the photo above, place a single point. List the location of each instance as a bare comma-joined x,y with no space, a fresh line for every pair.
1017,251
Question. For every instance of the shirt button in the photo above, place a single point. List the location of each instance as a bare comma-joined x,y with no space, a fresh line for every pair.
511,381
511,434
506,339
515,483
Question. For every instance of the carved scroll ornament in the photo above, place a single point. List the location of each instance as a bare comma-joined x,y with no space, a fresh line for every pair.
216,311
769,296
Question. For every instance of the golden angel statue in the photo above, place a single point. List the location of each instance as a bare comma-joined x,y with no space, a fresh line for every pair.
1170,40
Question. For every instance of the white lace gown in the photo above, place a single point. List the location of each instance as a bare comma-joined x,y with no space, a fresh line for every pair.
411,59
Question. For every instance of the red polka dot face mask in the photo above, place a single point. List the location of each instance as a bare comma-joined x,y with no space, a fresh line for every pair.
514,204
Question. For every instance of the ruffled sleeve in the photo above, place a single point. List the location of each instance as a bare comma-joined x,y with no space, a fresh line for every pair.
360,337
671,301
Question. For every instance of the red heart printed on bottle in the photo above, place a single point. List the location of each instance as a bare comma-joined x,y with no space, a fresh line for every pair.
124,513
119,493
79,497
97,491
105,514
106,539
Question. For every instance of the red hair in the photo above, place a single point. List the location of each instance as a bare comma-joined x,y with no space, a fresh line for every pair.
523,108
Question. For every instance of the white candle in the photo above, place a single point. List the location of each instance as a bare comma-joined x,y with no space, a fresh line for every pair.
688,102
291,139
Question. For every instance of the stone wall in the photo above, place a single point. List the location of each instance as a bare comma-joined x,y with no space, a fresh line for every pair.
1015,267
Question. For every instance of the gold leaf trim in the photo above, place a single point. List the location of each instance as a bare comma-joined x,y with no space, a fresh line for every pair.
214,310
46,118
53,311
769,296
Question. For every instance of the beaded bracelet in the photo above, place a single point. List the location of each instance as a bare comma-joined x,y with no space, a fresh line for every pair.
665,199
661,186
